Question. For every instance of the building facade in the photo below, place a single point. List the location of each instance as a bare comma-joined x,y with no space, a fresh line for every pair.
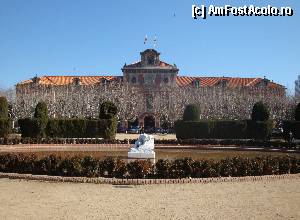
148,93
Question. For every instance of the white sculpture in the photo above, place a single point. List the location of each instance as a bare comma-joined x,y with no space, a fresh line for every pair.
143,148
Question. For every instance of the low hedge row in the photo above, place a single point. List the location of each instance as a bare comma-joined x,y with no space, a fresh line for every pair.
179,168
5,127
190,142
68,128
223,129
292,126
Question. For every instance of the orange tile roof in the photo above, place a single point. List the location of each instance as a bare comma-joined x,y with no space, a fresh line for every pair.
65,80
230,82
180,81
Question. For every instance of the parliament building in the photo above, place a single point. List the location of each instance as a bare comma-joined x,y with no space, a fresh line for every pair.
147,92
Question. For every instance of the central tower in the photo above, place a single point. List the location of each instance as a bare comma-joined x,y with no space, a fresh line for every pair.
150,71
154,79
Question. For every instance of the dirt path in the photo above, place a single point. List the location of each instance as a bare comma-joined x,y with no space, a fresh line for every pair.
275,199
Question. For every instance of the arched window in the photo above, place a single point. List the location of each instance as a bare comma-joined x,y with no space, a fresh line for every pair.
150,60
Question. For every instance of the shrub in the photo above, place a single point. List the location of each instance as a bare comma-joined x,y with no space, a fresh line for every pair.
191,113
49,165
179,168
291,126
108,110
5,127
205,169
223,129
261,130
260,112
53,128
295,165
163,168
192,129
3,108
120,169
297,112
69,128
40,119
228,129
41,111
107,167
5,122
93,129
140,169
108,128
71,167
34,128
90,167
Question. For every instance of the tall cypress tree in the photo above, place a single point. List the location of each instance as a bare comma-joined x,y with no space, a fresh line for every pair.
108,110
191,113
41,111
3,107
297,112
260,112
41,119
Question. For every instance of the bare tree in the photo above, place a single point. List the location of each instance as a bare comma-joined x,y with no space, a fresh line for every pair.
168,103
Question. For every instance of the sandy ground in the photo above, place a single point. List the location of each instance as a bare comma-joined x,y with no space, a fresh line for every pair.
275,199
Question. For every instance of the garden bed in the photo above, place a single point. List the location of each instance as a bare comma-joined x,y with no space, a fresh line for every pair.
143,169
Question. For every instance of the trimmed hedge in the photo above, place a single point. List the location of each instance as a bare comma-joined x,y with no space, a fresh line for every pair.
260,130
193,129
191,113
179,168
69,128
223,129
293,126
32,127
5,127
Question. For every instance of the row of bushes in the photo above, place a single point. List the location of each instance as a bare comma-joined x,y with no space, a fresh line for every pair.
223,129
292,126
179,168
106,128
190,142
68,128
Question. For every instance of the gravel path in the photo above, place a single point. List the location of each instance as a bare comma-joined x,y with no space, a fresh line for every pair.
266,199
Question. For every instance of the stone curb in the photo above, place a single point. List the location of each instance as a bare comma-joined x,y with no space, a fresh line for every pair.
114,181
70,147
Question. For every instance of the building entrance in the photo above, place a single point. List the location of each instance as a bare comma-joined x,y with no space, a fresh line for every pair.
149,124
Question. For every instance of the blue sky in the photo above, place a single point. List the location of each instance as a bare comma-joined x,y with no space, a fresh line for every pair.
96,37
